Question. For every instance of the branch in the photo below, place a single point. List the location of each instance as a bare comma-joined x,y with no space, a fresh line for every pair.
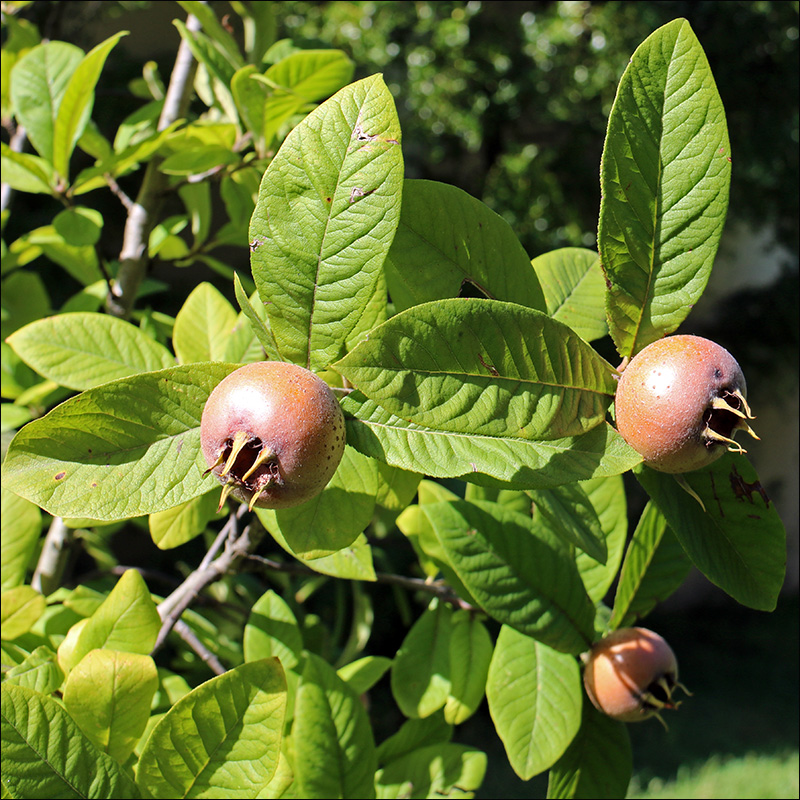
15,143
436,588
236,546
143,213
53,558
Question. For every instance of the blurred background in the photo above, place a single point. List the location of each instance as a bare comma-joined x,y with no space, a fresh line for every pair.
509,101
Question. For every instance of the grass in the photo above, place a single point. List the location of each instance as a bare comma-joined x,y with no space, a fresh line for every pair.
753,775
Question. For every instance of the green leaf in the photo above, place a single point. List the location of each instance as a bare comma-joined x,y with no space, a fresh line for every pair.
519,579
535,696
332,520
25,299
21,608
223,736
127,621
363,674
21,525
738,542
574,290
272,630
38,83
447,238
414,734
421,669
79,226
334,748
75,107
203,325
217,33
46,755
39,671
299,79
250,97
84,349
655,566
176,526
483,367
470,653
123,449
327,211
26,172
489,460
80,262
441,770
572,517
198,160
108,694
607,495
665,174
597,764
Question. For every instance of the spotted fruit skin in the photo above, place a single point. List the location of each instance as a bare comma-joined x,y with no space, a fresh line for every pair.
630,674
286,428
679,402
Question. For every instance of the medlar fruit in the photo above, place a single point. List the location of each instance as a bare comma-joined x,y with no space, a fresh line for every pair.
631,674
273,433
679,403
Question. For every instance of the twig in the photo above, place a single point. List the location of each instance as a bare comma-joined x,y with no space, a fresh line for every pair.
143,214
436,588
236,547
189,636
53,558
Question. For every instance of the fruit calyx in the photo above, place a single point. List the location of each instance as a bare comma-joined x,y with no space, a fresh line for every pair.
249,464
728,413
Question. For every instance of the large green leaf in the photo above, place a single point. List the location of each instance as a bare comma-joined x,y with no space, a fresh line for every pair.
38,83
221,737
655,566
665,174
334,748
76,105
123,449
736,538
436,771
518,463
535,697
421,668
446,238
521,575
26,172
180,524
574,289
326,215
45,754
83,350
127,621
483,367
108,694
22,606
598,763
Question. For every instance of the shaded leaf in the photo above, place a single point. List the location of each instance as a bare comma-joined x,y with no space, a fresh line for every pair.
446,238
535,696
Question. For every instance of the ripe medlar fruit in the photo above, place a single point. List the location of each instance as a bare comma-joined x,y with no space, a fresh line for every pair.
679,403
630,675
273,433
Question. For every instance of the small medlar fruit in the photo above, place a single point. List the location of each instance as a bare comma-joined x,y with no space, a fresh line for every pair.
273,433
630,675
679,403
